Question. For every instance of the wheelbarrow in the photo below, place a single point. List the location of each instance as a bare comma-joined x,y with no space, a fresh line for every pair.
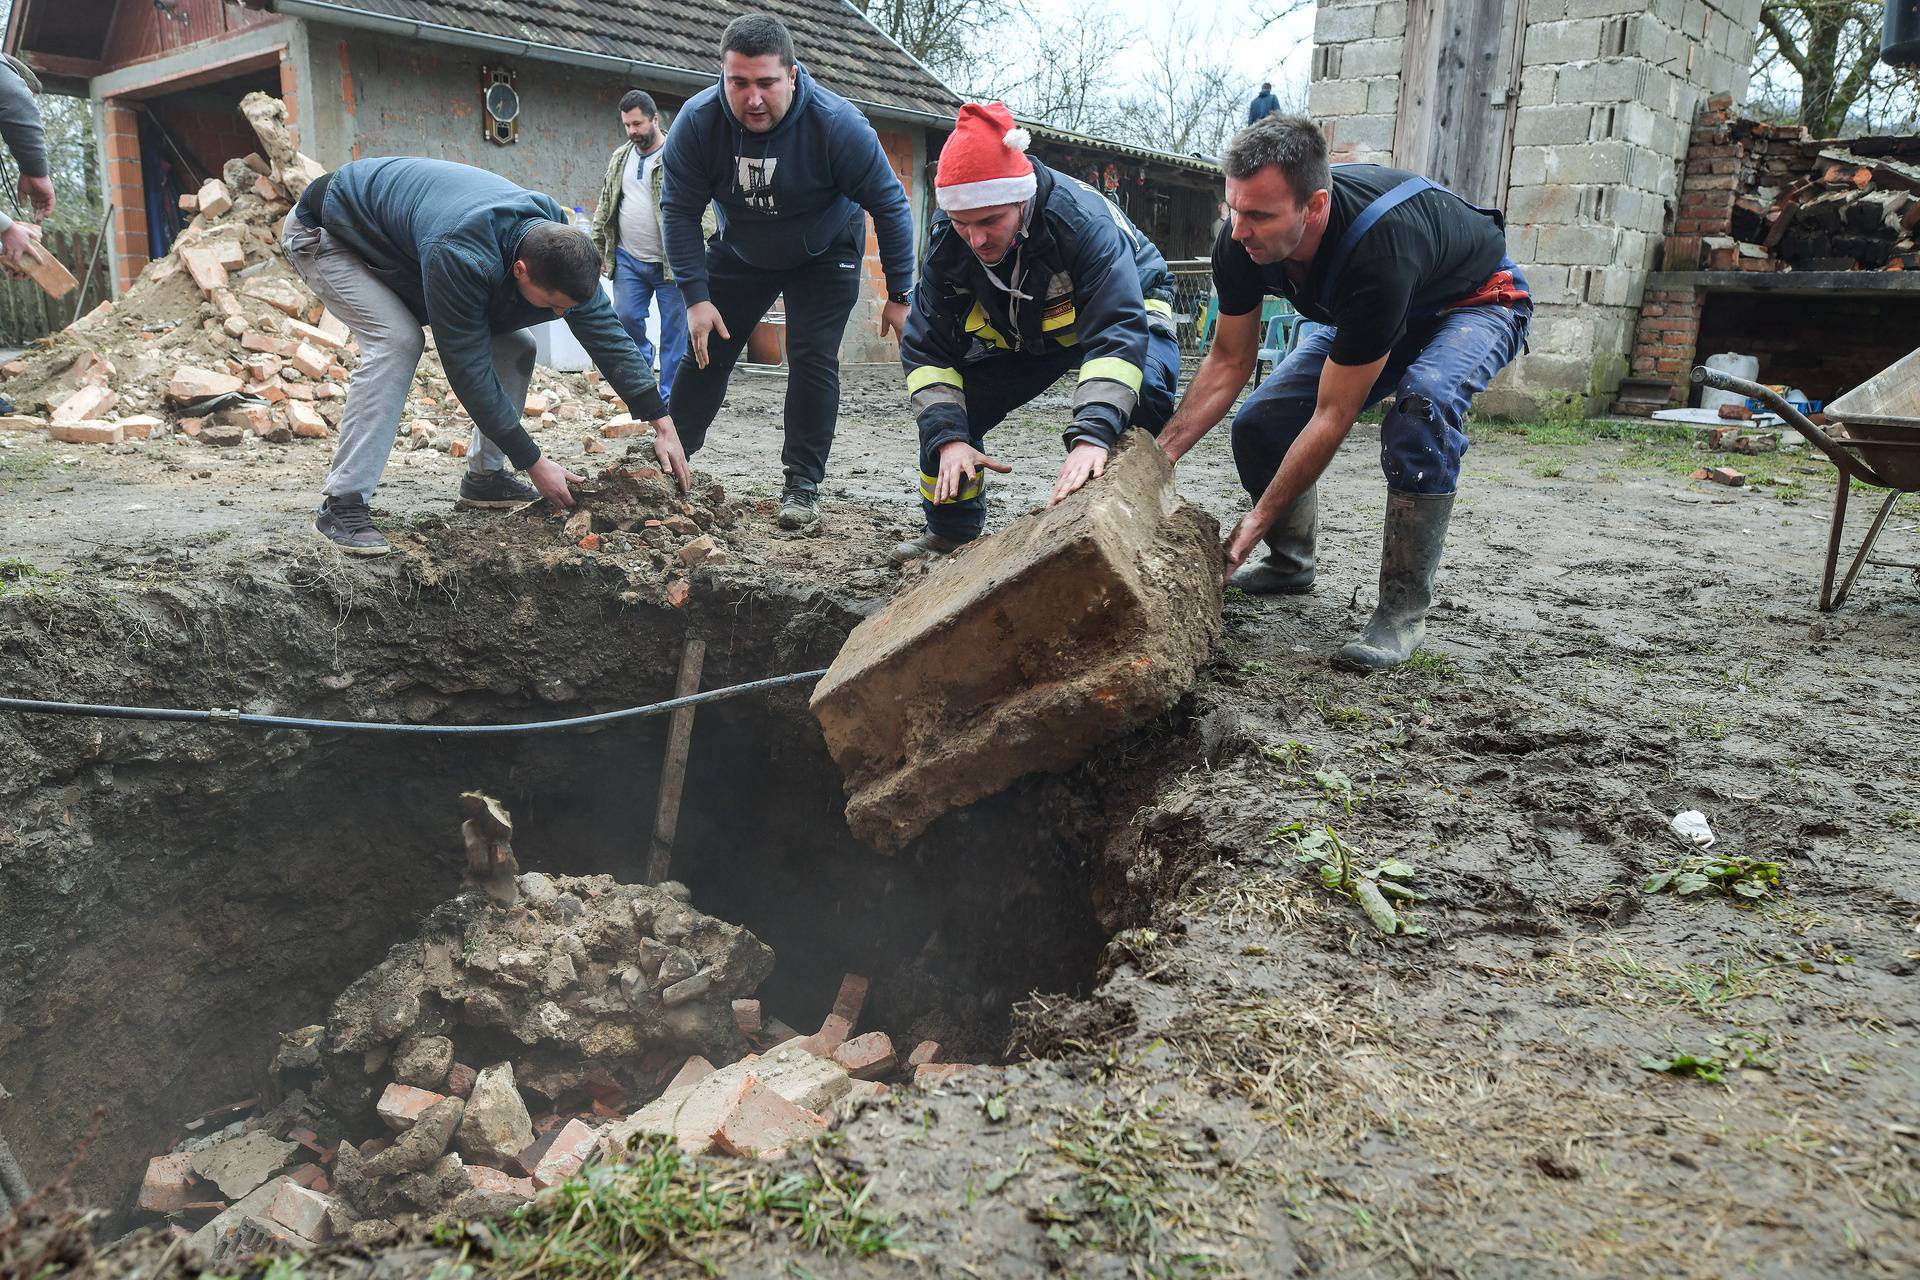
1872,434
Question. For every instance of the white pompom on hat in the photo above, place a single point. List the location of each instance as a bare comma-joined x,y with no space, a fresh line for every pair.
984,162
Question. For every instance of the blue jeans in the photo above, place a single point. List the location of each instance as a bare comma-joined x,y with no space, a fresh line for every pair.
636,285
1005,380
1432,375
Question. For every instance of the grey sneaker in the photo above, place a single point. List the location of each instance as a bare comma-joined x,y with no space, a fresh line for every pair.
348,525
494,490
799,506
927,543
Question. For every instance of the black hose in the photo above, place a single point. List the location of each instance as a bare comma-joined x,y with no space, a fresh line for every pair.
242,719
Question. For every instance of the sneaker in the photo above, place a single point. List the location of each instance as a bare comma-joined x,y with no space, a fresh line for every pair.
348,525
494,490
928,543
799,506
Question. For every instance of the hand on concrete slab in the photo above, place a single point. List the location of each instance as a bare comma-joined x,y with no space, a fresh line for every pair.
1085,461
552,479
893,316
1246,535
703,318
671,454
959,463
38,194
13,242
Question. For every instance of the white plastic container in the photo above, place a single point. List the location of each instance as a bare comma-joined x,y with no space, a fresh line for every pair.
1738,366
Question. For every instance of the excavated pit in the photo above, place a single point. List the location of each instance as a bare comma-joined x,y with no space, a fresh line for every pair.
176,896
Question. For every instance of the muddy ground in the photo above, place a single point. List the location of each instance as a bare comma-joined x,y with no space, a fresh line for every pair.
1253,1081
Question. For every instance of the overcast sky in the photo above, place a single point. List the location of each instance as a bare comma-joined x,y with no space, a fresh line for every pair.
1279,54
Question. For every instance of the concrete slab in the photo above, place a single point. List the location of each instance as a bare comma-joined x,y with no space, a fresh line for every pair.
1025,652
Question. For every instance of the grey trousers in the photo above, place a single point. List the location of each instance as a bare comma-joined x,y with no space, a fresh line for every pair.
391,344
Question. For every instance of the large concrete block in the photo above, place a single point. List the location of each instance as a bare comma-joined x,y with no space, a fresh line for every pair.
1021,655
1337,97
1337,23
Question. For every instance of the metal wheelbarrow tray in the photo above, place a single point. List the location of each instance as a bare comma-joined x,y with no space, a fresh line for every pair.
1873,434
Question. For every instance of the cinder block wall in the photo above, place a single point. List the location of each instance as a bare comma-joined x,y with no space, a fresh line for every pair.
1608,90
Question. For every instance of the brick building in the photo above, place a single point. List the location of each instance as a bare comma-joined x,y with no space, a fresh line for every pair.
410,77
1739,274
1573,116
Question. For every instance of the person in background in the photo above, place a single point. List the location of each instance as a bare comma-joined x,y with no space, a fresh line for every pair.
627,229
1264,104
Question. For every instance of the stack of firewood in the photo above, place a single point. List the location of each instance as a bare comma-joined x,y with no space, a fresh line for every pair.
1856,213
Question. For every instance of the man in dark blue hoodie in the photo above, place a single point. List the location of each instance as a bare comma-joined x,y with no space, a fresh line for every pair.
790,166
392,245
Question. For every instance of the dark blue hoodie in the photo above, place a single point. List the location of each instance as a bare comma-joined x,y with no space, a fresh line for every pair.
785,196
444,236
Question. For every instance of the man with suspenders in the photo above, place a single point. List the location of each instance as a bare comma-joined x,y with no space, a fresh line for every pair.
1417,303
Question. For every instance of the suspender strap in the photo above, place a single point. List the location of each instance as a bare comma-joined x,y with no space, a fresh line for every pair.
1382,205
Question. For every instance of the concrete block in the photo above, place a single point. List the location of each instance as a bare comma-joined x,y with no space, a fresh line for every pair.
1365,58
1594,163
1383,95
1614,80
1529,167
1538,204
1576,246
1537,85
1340,23
239,1165
1022,654
1390,18
1337,98
201,1244
1554,124
1573,40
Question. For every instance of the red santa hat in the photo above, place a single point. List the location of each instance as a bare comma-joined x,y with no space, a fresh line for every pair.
984,161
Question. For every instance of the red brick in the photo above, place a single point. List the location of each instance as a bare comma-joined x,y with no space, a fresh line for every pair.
852,998
832,1034
930,1073
402,1104
924,1052
86,433
311,1176
302,1211
559,1154
867,1057
485,1179
691,1071
746,1013
757,1121
460,1079
168,1185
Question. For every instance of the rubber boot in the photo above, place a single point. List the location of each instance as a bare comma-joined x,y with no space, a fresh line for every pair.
1409,553
1287,568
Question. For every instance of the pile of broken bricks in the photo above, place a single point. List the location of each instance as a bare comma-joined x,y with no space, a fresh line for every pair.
578,988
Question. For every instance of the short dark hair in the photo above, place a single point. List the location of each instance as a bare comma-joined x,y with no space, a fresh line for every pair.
638,100
1266,86
561,258
1293,143
754,35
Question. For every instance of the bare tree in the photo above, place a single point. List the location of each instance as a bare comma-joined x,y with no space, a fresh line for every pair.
1818,60
1192,92
952,37
1066,72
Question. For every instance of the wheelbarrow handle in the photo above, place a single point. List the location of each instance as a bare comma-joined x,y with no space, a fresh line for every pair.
1719,381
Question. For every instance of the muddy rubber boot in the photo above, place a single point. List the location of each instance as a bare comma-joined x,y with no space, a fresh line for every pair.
925,543
1287,568
1409,553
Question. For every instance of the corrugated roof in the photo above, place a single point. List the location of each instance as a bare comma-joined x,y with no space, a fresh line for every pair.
841,48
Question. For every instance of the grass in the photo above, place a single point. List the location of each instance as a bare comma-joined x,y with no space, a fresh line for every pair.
615,1221
1140,1190
21,579
1658,446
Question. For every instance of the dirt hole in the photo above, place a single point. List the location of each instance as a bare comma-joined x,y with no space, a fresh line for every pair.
235,884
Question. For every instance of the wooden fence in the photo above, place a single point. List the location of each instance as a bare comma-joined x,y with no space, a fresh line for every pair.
27,313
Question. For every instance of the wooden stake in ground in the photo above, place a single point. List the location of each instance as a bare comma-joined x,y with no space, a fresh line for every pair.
43,268
673,774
